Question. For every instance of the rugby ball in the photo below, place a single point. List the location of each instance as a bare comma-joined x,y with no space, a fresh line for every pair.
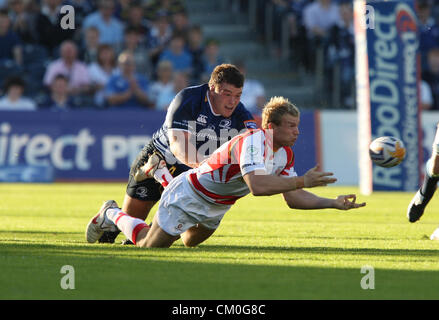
387,151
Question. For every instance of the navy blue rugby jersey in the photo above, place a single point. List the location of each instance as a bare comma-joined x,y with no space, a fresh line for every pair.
191,111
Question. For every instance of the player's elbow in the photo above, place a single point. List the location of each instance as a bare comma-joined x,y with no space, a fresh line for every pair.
256,185
258,190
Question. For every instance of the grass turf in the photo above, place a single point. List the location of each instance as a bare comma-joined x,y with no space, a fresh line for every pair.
262,250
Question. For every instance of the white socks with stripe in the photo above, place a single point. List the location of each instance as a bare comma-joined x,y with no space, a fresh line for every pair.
129,226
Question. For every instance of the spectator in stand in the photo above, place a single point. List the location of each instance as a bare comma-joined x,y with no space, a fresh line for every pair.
293,11
428,30
11,54
110,28
69,66
48,26
319,17
123,8
159,36
163,82
211,58
196,49
59,98
14,100
89,50
431,76
127,88
340,51
136,19
176,52
18,15
166,7
179,82
133,45
180,24
253,92
101,71
24,14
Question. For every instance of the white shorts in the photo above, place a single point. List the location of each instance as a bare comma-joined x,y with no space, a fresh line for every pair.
180,208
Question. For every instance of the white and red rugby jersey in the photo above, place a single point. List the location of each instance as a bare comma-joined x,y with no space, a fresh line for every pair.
219,178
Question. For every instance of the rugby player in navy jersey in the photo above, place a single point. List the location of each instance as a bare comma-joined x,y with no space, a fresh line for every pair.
198,121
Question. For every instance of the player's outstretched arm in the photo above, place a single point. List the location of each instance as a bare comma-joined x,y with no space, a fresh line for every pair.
262,184
347,202
301,199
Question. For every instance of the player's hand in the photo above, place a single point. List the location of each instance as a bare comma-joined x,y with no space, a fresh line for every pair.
315,178
347,202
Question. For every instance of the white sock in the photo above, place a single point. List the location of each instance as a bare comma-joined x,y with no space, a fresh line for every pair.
163,176
129,226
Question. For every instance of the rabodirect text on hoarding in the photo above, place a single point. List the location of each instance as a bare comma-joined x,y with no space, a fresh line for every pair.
393,77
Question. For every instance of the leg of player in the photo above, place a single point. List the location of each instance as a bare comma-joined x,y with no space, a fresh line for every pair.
130,227
155,237
425,193
137,208
196,235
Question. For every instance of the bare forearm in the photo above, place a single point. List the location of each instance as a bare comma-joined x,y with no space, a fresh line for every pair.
267,185
302,199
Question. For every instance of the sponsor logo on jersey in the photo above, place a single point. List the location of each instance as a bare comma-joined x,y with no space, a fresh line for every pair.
202,119
225,123
250,124
252,150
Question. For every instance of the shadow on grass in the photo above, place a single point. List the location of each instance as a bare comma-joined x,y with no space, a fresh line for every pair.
17,244
32,271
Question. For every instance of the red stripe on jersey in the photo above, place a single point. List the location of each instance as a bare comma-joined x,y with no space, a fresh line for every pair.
222,199
290,160
233,170
218,160
240,139
220,172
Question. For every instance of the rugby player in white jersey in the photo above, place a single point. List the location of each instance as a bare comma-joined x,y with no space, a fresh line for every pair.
259,161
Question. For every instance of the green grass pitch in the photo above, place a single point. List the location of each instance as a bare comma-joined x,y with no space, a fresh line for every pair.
262,250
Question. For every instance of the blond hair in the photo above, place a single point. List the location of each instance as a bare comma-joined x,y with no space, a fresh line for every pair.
275,109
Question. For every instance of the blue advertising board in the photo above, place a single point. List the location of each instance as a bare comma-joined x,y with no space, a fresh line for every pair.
79,145
392,48
94,145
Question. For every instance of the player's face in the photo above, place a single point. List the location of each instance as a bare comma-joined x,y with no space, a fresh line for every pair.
224,98
287,132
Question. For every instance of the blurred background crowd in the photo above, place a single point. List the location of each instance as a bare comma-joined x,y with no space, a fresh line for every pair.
140,53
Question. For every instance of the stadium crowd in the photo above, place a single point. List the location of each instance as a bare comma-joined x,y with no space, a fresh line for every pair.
139,53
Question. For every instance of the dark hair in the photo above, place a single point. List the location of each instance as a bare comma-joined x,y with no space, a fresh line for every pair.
132,29
60,76
226,73
14,81
103,47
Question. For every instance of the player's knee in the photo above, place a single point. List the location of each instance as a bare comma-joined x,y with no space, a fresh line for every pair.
189,242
